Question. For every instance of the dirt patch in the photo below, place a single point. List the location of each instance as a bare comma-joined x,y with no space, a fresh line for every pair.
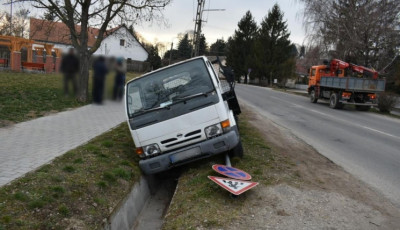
292,208
325,197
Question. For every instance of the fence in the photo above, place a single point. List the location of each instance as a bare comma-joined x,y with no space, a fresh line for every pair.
138,66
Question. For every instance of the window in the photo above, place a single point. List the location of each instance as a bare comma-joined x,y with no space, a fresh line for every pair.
122,42
313,72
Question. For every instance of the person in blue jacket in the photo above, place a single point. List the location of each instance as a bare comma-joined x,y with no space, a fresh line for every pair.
99,76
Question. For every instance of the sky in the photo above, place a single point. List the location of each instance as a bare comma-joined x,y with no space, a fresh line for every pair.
180,15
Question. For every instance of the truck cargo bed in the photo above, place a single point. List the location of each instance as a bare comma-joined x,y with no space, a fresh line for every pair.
353,84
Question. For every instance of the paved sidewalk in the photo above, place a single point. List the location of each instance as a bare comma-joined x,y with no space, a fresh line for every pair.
28,145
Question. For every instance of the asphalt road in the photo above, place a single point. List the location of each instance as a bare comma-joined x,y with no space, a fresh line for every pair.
365,144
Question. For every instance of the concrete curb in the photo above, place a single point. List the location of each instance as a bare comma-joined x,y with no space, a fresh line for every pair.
128,210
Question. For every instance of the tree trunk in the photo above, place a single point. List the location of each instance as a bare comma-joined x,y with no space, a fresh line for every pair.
83,77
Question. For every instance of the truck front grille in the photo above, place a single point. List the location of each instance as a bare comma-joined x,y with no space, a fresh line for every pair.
190,136
169,140
193,133
180,142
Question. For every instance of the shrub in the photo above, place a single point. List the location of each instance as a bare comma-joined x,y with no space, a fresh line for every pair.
386,102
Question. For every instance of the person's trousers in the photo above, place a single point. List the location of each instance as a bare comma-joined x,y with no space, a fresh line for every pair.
69,77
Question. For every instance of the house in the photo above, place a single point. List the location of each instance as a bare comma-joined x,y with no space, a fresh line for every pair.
118,42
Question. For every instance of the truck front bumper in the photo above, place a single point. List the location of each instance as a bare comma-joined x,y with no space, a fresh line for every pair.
191,153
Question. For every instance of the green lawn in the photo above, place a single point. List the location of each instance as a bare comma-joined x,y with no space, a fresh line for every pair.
78,189
25,96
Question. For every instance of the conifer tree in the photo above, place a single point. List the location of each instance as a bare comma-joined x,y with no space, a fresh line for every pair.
272,47
240,44
184,47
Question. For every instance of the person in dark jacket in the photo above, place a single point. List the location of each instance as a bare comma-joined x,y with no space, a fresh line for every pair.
100,71
70,67
119,82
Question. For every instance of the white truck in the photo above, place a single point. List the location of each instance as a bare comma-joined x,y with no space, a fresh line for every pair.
180,113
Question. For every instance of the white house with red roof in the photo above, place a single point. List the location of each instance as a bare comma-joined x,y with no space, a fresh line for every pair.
118,42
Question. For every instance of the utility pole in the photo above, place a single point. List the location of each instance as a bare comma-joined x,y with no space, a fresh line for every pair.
170,53
197,26
11,18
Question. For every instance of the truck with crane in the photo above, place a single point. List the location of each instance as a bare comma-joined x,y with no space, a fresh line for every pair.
345,83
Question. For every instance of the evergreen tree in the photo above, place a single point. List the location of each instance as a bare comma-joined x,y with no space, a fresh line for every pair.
154,59
272,48
174,55
203,45
184,48
218,48
240,44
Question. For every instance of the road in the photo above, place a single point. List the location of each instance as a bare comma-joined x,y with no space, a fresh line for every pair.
366,145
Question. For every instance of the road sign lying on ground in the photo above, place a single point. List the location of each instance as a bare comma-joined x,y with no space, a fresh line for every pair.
231,172
235,187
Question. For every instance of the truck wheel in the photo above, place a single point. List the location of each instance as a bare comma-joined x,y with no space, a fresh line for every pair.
237,151
313,97
362,107
334,102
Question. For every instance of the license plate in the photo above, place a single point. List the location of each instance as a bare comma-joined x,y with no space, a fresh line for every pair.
181,156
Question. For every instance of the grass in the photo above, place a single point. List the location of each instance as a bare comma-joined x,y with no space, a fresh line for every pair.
199,203
24,96
79,188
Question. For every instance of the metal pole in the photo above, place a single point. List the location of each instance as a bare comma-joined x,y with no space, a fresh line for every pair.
270,79
227,160
170,53
11,18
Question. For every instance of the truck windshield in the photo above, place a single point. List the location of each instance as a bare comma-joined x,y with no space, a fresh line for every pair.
164,88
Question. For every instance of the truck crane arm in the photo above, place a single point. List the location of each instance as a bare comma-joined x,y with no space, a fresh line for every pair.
337,64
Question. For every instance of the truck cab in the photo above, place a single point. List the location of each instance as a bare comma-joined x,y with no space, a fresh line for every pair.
316,72
178,114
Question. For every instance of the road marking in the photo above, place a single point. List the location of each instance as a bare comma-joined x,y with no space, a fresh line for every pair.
375,130
338,119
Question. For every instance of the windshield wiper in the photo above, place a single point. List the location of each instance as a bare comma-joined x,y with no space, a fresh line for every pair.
142,111
193,96
156,108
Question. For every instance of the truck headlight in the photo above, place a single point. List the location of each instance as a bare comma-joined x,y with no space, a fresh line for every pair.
152,149
213,130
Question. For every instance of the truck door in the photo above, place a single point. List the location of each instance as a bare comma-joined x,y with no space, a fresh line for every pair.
312,79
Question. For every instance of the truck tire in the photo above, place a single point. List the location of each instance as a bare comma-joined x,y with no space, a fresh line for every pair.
334,101
313,97
237,151
362,107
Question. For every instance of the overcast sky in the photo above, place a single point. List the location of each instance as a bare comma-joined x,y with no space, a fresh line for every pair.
180,15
